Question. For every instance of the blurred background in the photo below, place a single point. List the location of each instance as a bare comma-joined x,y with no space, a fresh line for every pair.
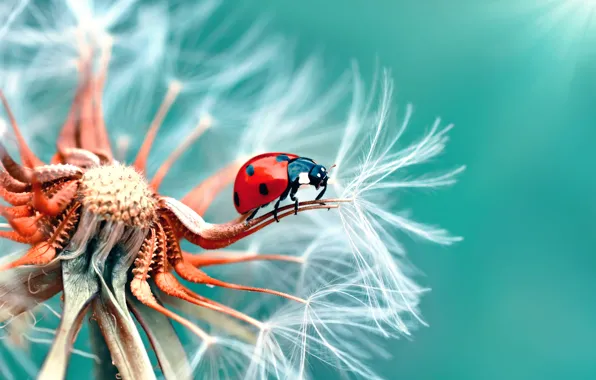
515,299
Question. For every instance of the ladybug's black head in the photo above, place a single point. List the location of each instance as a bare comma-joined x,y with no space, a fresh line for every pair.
318,176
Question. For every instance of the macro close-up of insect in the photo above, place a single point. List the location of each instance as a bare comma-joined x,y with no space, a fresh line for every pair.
273,177
263,190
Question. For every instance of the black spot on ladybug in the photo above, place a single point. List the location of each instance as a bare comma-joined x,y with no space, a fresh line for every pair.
263,189
236,199
282,157
250,170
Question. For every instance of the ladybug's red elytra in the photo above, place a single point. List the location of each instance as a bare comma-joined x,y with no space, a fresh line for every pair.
270,176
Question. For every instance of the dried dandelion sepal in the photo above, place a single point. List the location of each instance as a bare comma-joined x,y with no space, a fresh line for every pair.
80,288
22,288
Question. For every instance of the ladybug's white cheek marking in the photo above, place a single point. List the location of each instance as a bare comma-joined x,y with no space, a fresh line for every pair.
303,179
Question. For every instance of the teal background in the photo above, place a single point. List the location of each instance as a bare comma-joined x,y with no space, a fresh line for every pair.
515,299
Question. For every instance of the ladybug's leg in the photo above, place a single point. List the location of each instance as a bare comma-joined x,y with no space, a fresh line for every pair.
293,190
254,213
295,200
321,194
295,204
275,209
283,196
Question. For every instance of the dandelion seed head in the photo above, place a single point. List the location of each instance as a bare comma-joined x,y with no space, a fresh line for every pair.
120,194
348,265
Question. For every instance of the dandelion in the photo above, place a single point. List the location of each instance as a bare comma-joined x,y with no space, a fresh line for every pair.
115,225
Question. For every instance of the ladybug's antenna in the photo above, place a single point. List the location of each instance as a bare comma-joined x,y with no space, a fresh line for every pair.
330,181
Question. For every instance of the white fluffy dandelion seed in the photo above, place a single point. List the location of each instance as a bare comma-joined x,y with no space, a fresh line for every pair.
344,269
349,265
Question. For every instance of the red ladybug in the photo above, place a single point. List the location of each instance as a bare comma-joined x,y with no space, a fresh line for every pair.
270,176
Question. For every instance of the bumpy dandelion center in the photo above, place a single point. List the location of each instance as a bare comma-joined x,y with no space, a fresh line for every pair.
118,193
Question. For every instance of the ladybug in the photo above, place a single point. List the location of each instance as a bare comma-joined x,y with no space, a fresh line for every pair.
270,176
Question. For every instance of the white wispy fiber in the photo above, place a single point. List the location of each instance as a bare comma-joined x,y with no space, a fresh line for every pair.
352,268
